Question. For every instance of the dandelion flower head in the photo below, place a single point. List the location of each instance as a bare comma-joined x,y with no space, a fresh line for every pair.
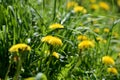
118,2
82,37
112,70
56,26
94,6
99,39
46,38
106,30
55,54
108,60
55,41
92,1
104,41
85,44
96,30
115,35
20,47
104,5
71,4
80,9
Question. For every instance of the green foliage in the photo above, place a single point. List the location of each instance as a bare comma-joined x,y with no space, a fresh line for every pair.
28,21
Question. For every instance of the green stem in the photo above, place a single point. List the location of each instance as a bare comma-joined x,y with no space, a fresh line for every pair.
10,63
48,66
7,71
16,77
54,14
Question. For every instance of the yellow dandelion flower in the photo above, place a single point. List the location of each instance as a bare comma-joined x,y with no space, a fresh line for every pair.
82,37
96,30
71,4
94,6
84,11
85,44
80,9
104,5
118,54
92,1
55,54
116,35
55,41
104,41
46,39
56,26
20,47
108,60
118,2
99,39
112,70
106,30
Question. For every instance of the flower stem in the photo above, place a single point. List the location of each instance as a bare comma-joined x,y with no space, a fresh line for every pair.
7,71
18,69
10,63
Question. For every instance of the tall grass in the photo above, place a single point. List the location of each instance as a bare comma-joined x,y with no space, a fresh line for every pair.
28,21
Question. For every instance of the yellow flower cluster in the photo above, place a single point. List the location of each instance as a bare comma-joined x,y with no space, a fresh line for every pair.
71,4
20,48
82,37
77,8
55,41
94,6
96,30
92,1
106,30
112,70
115,35
104,5
56,26
85,44
80,9
118,3
108,60
104,41
99,39
56,55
